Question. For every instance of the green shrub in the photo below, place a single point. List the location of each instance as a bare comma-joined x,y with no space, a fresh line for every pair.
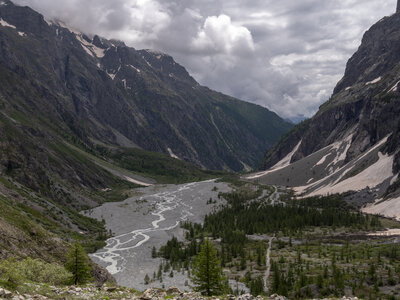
10,274
14,273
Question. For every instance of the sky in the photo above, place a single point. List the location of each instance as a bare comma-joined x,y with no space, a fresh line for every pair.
285,55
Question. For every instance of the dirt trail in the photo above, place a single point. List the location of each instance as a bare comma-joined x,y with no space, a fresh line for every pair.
268,263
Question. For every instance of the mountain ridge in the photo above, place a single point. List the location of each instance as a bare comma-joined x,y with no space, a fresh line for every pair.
108,92
351,144
78,117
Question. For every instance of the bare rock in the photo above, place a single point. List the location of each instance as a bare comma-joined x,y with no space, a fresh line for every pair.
174,291
5,294
245,297
277,297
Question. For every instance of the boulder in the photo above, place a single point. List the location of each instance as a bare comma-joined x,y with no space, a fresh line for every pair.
5,294
172,290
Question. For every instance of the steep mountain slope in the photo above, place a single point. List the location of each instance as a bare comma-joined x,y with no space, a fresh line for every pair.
352,143
74,114
105,92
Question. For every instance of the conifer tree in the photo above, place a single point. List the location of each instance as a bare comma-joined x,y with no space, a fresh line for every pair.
207,272
78,264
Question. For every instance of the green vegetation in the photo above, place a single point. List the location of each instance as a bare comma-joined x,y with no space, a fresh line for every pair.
39,219
317,268
78,264
159,166
255,217
206,271
14,273
314,254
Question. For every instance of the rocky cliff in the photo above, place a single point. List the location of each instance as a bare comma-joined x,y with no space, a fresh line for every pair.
352,143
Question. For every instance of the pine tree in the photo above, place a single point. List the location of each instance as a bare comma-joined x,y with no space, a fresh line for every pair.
206,271
78,264
146,279
153,252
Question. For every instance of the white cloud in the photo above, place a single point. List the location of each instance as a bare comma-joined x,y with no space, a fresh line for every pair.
134,21
219,35
286,55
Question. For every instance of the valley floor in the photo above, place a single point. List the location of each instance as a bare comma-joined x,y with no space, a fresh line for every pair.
149,219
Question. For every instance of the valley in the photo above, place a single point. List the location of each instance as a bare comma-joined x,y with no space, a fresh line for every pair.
122,176
148,220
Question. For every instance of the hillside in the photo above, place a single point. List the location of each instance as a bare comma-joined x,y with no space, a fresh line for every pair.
85,120
352,143
103,92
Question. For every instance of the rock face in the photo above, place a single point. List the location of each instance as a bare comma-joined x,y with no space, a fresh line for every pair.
355,135
101,91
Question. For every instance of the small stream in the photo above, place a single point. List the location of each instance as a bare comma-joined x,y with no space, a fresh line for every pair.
149,220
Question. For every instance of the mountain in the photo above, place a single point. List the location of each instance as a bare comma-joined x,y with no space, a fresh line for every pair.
352,144
85,120
103,92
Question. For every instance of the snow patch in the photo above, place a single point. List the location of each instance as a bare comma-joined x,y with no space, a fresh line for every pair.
20,33
286,160
389,208
322,160
112,76
136,69
340,156
374,81
89,47
172,153
5,24
394,179
394,88
137,181
49,22
124,82
87,50
348,88
280,165
371,177
303,189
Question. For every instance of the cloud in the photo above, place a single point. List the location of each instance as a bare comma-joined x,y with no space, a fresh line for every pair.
135,21
285,55
219,35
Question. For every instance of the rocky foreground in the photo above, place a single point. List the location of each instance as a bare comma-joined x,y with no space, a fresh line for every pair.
43,292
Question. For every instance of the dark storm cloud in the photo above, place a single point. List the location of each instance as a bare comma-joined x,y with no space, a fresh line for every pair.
286,55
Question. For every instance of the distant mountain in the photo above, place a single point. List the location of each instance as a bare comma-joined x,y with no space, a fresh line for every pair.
296,120
104,92
353,142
